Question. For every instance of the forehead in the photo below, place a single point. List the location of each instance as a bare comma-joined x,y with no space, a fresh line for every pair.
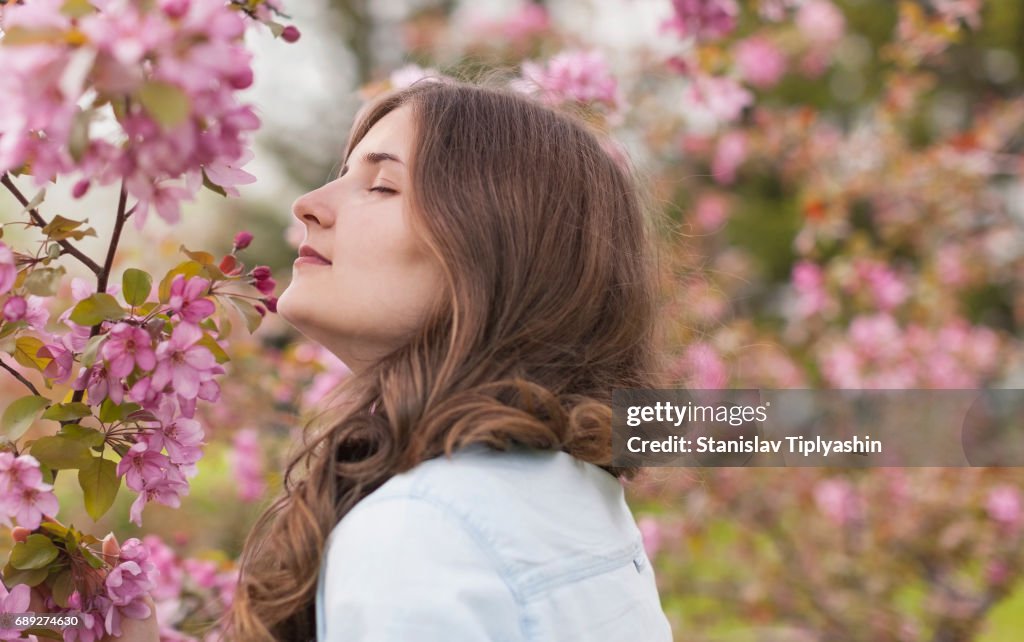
392,133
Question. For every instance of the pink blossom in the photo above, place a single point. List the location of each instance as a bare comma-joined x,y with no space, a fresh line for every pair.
247,464
142,466
729,155
202,572
574,75
809,283
37,313
166,490
169,575
182,437
61,362
650,530
23,493
703,19
188,300
182,362
8,268
820,21
760,61
711,211
14,601
127,346
838,500
702,366
15,308
722,96
1004,505
528,20
99,384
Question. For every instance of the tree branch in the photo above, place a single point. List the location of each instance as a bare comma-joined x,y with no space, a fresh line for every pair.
104,273
41,222
19,377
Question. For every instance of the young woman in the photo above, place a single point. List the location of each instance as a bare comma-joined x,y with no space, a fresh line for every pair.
484,266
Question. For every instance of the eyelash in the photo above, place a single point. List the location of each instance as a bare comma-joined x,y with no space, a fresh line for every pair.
386,190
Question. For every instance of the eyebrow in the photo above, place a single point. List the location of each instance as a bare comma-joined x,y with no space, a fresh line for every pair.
376,158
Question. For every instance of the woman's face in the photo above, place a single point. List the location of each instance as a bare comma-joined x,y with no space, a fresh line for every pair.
381,278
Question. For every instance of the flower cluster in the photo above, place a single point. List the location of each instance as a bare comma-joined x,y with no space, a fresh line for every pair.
162,77
188,589
23,493
582,76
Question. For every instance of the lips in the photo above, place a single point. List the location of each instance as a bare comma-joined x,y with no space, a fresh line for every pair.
307,251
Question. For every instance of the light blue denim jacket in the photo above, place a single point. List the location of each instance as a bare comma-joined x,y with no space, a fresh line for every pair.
512,546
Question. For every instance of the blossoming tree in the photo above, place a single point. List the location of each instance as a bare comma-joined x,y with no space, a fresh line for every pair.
140,94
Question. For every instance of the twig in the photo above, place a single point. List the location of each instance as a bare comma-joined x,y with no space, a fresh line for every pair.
104,273
41,222
19,377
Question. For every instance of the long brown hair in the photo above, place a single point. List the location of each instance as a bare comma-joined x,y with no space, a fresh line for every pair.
547,251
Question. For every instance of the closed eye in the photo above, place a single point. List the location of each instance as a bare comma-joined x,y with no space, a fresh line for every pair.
383,189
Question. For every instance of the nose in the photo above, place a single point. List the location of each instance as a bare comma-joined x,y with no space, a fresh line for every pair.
311,207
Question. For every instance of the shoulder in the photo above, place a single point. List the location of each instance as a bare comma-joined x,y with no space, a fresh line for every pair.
523,508
409,568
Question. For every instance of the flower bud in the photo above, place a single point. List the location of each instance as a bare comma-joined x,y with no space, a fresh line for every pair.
266,286
271,303
243,79
242,240
80,188
228,264
261,272
290,33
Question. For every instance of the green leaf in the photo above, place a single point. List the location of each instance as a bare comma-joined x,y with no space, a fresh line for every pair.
218,352
62,587
198,255
67,411
20,414
31,577
110,411
146,308
61,228
100,484
26,350
88,436
53,527
213,187
91,348
165,102
225,328
34,553
136,286
93,561
248,312
96,308
44,281
60,452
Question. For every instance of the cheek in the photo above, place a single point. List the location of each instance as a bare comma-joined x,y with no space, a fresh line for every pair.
380,259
